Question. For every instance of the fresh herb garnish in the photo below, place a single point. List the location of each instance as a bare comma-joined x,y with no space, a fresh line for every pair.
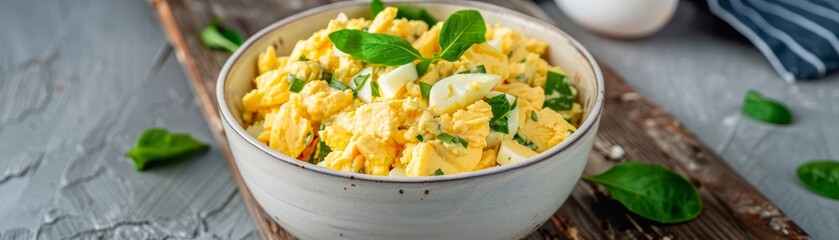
524,142
157,145
459,32
522,78
452,139
559,95
821,176
765,109
651,191
338,85
534,116
408,12
374,48
419,138
302,58
374,88
321,150
217,36
439,172
425,89
376,6
501,109
296,83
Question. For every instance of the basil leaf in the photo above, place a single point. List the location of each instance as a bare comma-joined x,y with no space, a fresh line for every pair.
374,87
338,85
419,138
422,66
296,83
651,191
376,6
216,36
157,145
460,31
439,172
534,116
425,89
501,108
821,176
478,69
415,13
524,142
764,109
302,58
374,48
559,95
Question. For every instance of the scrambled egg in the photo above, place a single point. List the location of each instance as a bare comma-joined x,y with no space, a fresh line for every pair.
296,108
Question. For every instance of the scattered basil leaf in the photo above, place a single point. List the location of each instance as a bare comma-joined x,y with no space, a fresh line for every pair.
374,87
439,172
376,6
296,83
821,176
460,31
534,116
765,109
157,145
651,191
338,85
214,35
559,95
419,138
524,142
425,89
416,13
501,108
374,48
302,58
422,66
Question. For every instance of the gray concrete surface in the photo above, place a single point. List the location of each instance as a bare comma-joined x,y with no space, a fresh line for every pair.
79,80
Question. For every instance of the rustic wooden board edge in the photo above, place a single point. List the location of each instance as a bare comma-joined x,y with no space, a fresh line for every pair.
755,212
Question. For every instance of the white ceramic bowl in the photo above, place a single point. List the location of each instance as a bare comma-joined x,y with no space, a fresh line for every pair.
504,202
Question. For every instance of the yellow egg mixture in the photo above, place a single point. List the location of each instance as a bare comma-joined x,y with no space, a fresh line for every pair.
384,125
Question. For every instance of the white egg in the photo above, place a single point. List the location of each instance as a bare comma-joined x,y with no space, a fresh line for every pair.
512,152
390,83
460,90
397,172
495,43
365,93
620,18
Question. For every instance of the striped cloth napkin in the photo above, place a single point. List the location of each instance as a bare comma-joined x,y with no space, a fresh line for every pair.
799,37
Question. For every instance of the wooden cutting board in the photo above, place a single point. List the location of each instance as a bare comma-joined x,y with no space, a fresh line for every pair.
733,209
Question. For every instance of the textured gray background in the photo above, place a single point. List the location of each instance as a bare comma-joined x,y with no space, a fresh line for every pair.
79,80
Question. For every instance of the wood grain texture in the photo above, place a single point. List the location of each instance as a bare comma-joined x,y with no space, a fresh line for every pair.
733,209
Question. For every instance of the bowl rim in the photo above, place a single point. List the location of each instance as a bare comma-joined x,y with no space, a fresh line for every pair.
591,119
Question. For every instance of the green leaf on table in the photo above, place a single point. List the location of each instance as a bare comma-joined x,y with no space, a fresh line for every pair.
157,145
821,176
651,191
425,89
501,108
218,37
460,31
559,92
376,6
374,48
765,109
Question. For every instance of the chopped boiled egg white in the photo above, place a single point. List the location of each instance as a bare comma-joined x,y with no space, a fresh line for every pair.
365,93
511,152
513,120
459,90
390,83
